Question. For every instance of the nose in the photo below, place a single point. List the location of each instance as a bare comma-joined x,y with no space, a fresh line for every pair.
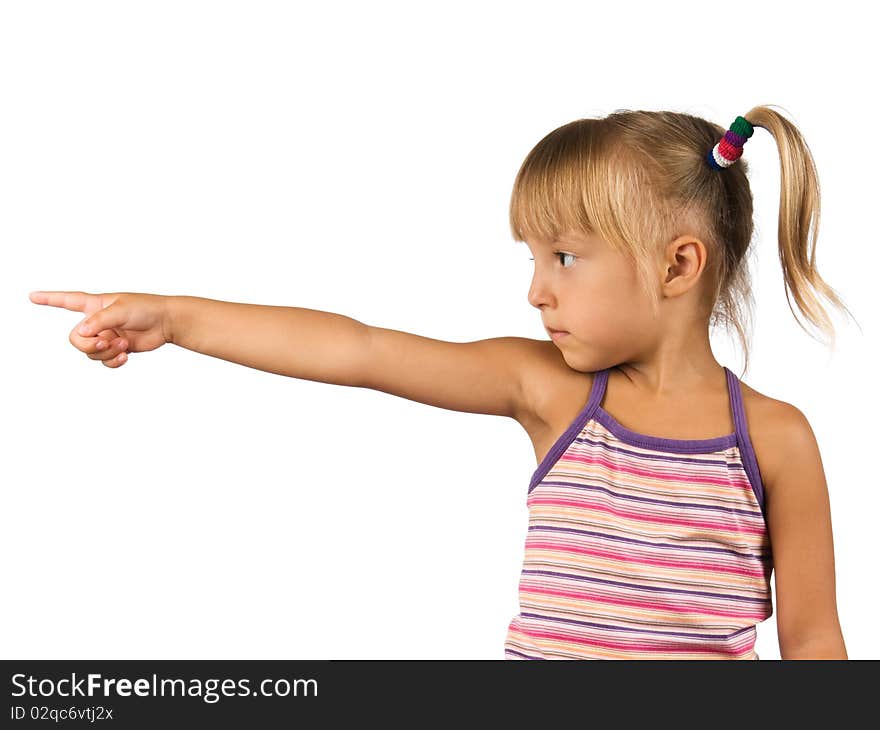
539,294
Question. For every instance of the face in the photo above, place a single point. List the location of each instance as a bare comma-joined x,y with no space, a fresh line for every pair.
583,286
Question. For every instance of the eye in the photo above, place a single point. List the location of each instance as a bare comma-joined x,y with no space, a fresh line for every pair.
563,254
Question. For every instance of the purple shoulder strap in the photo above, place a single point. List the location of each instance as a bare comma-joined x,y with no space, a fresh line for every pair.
742,437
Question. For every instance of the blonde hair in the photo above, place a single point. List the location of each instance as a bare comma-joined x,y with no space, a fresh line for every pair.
639,179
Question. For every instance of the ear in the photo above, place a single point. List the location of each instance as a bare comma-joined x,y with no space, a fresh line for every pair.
684,260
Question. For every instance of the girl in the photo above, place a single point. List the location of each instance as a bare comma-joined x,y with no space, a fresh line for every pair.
662,479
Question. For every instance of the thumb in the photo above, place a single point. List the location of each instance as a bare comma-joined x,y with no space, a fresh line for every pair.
104,319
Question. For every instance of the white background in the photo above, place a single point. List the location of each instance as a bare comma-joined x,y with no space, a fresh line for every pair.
357,158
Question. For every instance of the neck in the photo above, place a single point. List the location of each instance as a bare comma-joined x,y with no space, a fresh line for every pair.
675,366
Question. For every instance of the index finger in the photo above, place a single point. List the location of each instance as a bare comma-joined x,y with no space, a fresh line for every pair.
75,301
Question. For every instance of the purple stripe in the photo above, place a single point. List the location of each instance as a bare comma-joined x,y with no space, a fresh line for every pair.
649,500
656,589
633,540
715,637
745,445
653,457
524,656
648,457
735,139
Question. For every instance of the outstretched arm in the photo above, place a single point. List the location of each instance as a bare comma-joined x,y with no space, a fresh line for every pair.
485,376
300,343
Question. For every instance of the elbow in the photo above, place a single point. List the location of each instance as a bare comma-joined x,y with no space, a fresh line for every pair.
828,645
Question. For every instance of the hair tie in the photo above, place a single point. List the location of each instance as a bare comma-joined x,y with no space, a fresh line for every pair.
730,148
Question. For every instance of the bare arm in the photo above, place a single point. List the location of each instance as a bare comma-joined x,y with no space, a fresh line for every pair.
300,343
799,517
485,376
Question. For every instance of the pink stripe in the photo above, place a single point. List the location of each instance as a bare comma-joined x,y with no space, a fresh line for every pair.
651,473
652,605
736,527
536,543
668,647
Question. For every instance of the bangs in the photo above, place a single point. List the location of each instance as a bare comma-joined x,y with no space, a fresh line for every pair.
588,177
576,179
550,193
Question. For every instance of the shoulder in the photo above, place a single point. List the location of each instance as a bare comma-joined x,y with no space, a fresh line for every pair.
779,432
546,382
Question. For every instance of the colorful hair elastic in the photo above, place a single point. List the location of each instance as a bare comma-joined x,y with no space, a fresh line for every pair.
730,148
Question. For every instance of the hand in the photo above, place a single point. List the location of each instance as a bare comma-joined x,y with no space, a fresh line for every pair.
117,323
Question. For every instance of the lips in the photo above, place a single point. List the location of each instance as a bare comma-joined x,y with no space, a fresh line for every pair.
551,330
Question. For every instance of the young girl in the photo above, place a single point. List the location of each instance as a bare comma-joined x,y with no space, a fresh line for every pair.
662,479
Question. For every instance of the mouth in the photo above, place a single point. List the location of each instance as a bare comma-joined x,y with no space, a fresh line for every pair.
555,334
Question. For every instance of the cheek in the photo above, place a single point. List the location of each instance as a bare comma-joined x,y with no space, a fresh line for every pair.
613,295
616,308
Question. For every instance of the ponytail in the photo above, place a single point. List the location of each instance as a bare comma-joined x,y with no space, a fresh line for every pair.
799,209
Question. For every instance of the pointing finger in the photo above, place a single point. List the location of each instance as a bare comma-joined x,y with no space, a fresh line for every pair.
75,301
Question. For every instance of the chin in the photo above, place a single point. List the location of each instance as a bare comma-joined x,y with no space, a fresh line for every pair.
579,364
582,363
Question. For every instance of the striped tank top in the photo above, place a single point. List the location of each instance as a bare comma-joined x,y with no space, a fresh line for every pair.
641,547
